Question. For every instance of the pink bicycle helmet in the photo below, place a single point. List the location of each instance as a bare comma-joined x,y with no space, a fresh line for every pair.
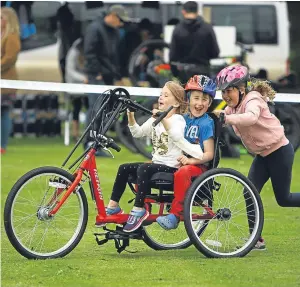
232,76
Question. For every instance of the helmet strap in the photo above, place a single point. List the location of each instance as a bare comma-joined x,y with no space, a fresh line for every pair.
240,99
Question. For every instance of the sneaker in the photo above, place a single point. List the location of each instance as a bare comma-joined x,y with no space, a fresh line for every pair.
260,245
135,220
168,222
110,211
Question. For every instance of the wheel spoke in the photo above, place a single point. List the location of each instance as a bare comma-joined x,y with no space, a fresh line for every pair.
38,234
236,208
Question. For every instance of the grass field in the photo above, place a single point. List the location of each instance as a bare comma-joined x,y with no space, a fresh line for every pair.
92,265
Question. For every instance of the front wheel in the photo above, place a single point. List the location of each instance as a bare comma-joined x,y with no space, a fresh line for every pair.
31,231
235,220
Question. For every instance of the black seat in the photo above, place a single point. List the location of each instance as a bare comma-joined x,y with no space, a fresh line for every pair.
162,181
159,179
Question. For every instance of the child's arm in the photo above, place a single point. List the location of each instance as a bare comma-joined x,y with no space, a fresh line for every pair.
207,136
249,117
131,118
175,128
208,154
138,131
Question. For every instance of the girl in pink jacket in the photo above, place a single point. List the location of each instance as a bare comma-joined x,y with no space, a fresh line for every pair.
261,133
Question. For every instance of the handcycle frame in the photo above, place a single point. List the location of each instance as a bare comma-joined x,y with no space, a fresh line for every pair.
89,166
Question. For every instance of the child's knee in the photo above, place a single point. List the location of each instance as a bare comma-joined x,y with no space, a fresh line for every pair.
183,171
143,168
283,202
123,167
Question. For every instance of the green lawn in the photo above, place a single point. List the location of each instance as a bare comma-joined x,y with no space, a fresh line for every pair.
92,265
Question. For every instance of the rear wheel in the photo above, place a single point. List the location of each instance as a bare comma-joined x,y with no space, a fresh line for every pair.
236,220
30,229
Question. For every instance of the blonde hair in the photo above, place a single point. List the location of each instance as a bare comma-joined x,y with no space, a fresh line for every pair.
263,87
12,22
179,93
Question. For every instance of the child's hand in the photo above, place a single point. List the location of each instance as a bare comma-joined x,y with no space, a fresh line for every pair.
218,112
130,112
154,112
184,160
131,119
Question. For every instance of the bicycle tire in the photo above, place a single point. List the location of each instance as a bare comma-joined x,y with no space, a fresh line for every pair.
10,214
135,53
159,239
207,246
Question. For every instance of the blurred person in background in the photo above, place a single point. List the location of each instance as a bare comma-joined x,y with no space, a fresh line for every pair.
24,13
193,44
10,48
135,34
65,20
145,33
75,74
101,43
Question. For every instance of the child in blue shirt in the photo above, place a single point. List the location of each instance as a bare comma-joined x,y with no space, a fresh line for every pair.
201,91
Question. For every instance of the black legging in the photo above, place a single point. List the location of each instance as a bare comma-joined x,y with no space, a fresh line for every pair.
77,105
277,166
143,171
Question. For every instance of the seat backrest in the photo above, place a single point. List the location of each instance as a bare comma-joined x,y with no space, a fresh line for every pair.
218,127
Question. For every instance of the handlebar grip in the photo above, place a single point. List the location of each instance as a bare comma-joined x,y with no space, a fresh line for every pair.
131,108
113,145
161,116
222,118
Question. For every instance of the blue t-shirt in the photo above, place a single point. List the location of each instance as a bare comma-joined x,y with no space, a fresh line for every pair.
198,130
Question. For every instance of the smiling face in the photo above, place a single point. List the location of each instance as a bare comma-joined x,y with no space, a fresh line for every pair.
231,95
166,99
199,103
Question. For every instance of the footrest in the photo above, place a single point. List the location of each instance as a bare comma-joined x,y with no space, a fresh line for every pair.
101,242
120,238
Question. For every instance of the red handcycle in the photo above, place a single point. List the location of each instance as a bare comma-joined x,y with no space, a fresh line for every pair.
46,211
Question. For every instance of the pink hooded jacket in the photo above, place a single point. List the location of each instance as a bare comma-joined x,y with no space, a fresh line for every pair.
260,131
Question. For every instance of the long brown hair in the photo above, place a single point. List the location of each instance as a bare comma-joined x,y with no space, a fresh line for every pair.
263,87
179,93
12,22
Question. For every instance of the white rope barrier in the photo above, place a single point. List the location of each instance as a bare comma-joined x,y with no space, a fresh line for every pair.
98,89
